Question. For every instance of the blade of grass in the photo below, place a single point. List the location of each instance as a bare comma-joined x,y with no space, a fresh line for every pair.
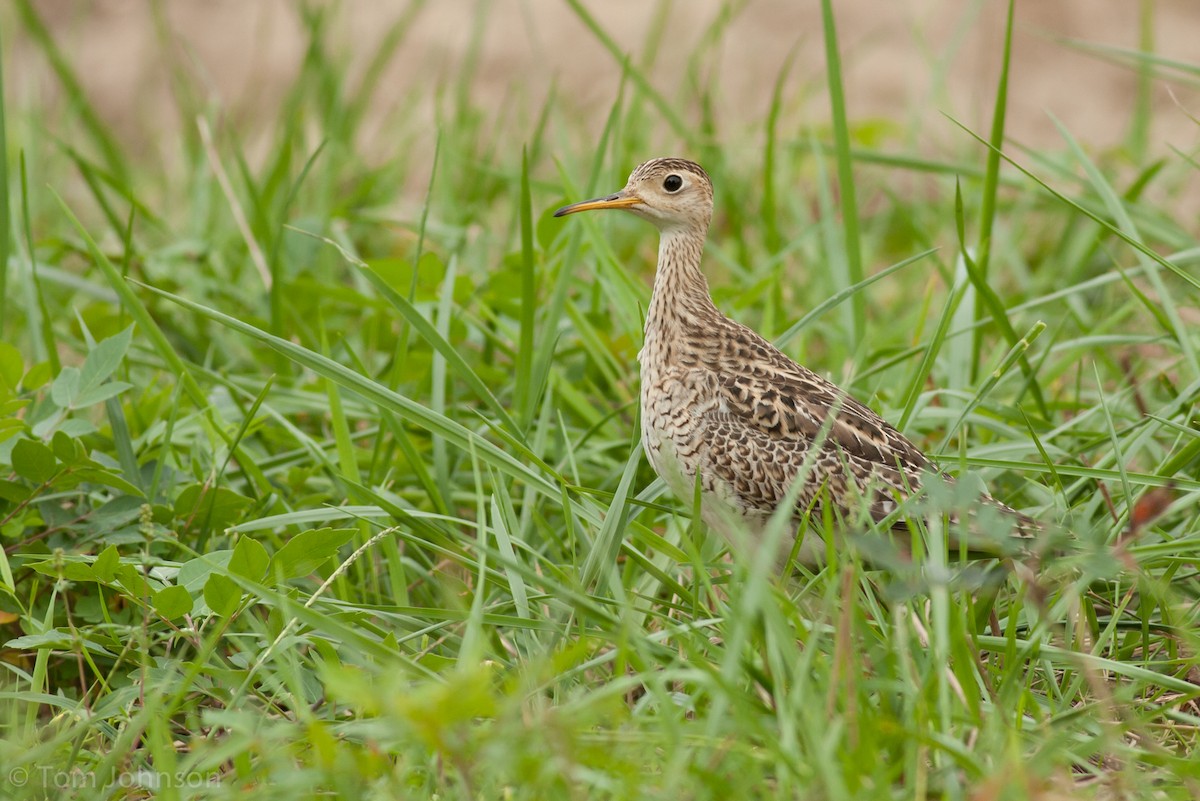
346,451
916,384
43,334
603,553
400,355
122,439
525,393
845,172
991,182
771,235
437,378
986,297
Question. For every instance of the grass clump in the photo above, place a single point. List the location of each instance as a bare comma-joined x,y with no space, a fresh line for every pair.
304,489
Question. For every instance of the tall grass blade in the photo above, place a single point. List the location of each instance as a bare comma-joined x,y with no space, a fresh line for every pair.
845,170
991,179
44,328
526,393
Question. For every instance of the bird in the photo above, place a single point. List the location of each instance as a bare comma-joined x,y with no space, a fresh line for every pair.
728,415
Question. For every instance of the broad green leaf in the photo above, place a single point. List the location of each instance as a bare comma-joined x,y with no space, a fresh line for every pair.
70,570
65,387
53,639
57,640
172,602
94,395
194,573
104,359
10,427
97,475
222,595
37,376
307,551
68,449
13,491
131,578
250,559
105,565
33,461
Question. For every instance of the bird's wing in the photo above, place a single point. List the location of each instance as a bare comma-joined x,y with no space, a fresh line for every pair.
781,407
760,468
767,391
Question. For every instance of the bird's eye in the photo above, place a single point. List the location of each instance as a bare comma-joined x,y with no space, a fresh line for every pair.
672,183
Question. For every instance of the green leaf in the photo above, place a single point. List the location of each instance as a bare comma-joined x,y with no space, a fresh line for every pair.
68,449
105,566
222,595
194,573
71,571
13,491
249,559
104,359
172,602
10,427
57,640
133,581
33,461
53,639
76,388
90,397
307,551
65,387
38,375
97,475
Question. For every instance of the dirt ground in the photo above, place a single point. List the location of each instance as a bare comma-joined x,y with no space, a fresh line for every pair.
906,60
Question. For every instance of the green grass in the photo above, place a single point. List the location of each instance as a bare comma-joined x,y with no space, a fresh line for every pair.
319,474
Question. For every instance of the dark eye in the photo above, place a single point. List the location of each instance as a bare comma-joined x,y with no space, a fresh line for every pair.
672,183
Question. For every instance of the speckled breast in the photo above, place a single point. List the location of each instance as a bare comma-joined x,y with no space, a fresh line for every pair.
674,403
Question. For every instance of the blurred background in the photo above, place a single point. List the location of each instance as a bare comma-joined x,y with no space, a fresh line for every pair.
909,63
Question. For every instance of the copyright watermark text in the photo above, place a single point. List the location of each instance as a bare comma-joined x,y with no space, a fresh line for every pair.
50,778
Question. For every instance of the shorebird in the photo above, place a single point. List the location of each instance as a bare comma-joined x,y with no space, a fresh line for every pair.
724,410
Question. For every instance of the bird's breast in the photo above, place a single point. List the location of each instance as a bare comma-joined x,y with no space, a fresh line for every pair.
675,403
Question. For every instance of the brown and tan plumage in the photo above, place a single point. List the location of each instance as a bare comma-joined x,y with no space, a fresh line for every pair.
721,403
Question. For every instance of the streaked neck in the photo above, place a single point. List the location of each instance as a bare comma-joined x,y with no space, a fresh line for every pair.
680,295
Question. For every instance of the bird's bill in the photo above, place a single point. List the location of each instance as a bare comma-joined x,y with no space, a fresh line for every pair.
620,200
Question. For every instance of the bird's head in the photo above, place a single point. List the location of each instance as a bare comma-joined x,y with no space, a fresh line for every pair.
672,193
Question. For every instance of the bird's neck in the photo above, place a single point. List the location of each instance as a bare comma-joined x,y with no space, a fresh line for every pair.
680,299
